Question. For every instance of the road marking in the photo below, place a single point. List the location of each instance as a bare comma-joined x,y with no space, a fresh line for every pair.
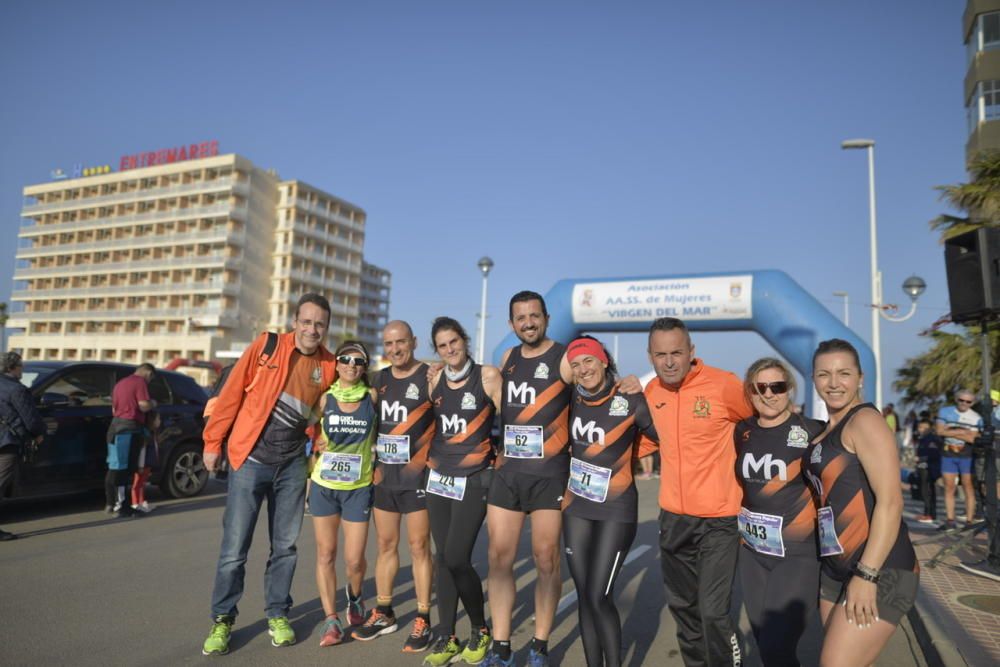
570,597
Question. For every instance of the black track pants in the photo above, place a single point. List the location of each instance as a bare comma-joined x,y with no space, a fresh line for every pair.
595,551
455,525
698,559
780,595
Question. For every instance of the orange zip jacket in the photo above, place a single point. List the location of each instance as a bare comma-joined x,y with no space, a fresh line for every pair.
241,414
695,425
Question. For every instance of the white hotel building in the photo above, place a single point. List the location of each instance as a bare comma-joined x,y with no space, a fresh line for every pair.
183,259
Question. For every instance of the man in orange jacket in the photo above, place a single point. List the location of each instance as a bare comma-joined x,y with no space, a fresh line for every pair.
695,409
264,408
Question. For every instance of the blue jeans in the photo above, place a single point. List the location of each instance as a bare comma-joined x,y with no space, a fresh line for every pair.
284,487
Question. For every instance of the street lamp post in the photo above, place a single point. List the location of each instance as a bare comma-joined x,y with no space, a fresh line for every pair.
913,286
847,316
485,264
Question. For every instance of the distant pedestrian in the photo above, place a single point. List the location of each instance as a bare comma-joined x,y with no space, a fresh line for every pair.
130,402
148,459
929,446
20,424
959,425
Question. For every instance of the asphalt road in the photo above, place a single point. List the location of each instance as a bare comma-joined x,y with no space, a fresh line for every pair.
86,589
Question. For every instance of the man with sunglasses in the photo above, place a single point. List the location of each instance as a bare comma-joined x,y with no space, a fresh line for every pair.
264,409
959,425
695,410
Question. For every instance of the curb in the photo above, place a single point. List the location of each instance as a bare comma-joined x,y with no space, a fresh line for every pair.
939,650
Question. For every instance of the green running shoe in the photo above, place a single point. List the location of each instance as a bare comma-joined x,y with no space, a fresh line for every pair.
281,632
218,639
479,644
446,650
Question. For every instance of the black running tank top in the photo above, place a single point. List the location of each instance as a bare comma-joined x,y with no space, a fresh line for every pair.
405,429
843,488
463,419
534,414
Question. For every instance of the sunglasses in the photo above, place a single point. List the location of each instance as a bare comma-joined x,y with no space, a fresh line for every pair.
962,400
348,360
775,387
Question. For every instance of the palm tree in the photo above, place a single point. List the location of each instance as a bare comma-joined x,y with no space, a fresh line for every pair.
979,198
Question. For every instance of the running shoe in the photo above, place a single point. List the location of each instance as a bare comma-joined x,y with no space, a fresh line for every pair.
479,644
378,624
493,659
420,638
333,633
218,639
925,518
948,525
281,631
143,507
355,609
537,659
445,651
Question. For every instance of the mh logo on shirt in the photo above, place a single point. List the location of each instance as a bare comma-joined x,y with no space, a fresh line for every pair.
766,464
394,412
453,424
520,394
590,433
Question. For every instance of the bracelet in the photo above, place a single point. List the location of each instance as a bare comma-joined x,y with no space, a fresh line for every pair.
869,574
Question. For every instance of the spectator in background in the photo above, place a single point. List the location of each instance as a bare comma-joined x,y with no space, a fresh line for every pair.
20,423
130,402
148,459
959,425
929,446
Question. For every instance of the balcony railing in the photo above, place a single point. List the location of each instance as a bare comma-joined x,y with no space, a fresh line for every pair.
135,289
111,222
131,314
211,261
239,186
150,241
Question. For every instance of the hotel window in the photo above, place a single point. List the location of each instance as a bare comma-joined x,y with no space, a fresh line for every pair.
985,103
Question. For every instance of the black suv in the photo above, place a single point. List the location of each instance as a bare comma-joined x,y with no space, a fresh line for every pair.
75,401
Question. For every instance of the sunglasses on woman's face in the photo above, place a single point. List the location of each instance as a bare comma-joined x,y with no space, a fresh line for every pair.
348,360
775,387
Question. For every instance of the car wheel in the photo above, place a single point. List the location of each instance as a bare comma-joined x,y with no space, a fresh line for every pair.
185,474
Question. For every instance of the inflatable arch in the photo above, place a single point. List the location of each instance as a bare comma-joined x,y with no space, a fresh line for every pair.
768,302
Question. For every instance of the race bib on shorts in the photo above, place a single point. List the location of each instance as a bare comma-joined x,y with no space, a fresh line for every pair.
446,486
523,442
762,532
829,545
589,481
337,467
393,449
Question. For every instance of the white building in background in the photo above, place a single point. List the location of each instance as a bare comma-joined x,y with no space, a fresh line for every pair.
180,254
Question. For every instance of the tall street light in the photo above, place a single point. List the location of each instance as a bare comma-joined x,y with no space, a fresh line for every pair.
913,286
485,264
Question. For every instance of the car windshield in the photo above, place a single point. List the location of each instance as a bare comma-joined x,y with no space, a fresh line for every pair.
28,378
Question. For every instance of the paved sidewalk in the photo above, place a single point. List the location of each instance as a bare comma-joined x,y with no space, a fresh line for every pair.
960,634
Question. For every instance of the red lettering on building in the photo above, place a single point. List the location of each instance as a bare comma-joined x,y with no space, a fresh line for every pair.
169,155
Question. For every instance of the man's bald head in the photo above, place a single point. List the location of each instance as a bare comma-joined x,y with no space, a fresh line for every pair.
399,344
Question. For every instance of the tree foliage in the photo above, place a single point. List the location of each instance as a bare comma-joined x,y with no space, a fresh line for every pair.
954,360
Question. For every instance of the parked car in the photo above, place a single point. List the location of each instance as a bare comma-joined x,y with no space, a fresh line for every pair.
75,401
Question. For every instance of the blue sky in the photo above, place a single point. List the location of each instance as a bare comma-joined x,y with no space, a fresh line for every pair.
563,139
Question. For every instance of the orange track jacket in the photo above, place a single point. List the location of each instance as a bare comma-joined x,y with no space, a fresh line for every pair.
241,414
695,425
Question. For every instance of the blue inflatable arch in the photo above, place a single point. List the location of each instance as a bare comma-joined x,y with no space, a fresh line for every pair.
768,302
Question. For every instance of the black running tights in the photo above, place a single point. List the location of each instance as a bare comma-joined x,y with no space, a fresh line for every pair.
596,551
455,525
